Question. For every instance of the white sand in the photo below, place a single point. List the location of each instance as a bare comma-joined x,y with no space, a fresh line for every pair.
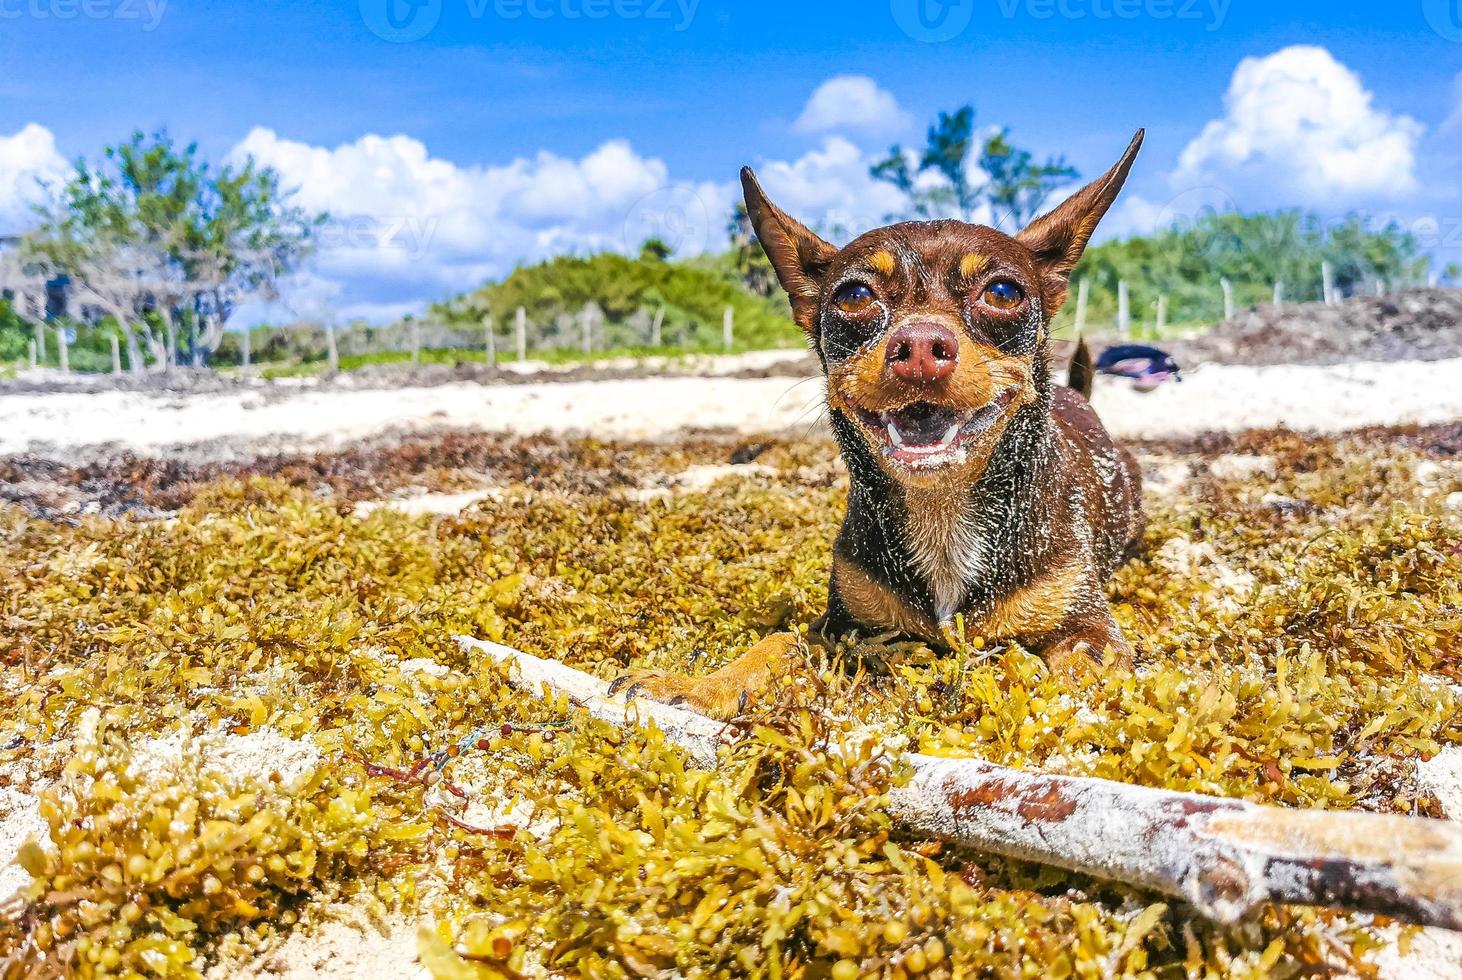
1215,397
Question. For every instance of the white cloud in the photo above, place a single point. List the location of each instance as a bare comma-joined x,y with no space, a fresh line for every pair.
829,189
852,102
1299,127
407,228
26,158
405,223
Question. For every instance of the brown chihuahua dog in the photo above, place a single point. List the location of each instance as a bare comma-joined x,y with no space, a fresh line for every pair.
978,486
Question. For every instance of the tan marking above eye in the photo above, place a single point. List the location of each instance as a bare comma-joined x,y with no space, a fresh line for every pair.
971,264
881,262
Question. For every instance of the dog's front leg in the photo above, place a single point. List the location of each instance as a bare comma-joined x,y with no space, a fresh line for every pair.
721,693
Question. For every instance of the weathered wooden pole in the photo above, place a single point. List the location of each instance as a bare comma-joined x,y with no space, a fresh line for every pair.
244,353
116,355
520,332
1279,294
63,350
1124,312
728,323
1083,294
1223,856
1228,297
332,349
656,325
490,341
1327,284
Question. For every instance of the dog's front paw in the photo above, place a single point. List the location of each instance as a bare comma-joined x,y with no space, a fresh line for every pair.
1088,653
712,696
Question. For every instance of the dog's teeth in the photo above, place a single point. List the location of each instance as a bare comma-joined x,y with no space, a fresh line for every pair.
893,435
950,434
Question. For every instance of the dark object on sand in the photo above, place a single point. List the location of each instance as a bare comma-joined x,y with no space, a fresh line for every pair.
1148,367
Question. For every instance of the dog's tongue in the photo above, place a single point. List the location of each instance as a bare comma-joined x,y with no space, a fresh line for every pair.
922,424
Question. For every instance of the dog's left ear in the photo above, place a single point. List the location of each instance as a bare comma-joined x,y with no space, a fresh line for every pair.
796,253
1059,237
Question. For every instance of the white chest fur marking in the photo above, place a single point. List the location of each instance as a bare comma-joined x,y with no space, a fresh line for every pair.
948,550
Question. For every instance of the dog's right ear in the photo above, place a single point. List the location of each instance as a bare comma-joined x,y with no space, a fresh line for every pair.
799,257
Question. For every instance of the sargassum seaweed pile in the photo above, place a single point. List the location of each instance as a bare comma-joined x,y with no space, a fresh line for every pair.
1297,622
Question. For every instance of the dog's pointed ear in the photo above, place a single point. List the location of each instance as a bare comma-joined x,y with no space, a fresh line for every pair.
799,257
1059,237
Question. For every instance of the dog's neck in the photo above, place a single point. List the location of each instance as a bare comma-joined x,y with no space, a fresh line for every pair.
962,543
962,539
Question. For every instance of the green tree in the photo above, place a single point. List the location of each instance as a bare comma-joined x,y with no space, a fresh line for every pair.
655,249
1017,187
167,244
1001,176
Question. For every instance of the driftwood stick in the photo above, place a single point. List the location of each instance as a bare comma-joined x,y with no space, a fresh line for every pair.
1223,856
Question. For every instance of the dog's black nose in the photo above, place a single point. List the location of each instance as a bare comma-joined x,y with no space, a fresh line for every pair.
922,352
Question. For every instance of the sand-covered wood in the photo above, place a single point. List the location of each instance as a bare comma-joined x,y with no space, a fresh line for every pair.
1224,856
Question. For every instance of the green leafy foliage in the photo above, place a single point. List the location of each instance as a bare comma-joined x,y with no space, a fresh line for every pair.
627,292
1297,655
1253,251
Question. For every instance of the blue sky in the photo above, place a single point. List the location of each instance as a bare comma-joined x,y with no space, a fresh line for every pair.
496,131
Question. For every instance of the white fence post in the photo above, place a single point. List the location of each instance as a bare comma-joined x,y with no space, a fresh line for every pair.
1279,293
116,355
1228,297
656,324
727,327
244,351
62,349
332,349
1162,315
491,340
1327,284
1083,291
32,353
415,341
40,332
1124,313
586,328
520,331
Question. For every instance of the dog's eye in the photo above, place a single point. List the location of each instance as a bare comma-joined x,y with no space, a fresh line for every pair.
853,299
1002,295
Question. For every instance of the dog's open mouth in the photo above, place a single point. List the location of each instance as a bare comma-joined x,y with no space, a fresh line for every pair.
926,434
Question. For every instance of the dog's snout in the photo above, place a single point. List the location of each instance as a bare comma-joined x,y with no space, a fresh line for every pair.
921,352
